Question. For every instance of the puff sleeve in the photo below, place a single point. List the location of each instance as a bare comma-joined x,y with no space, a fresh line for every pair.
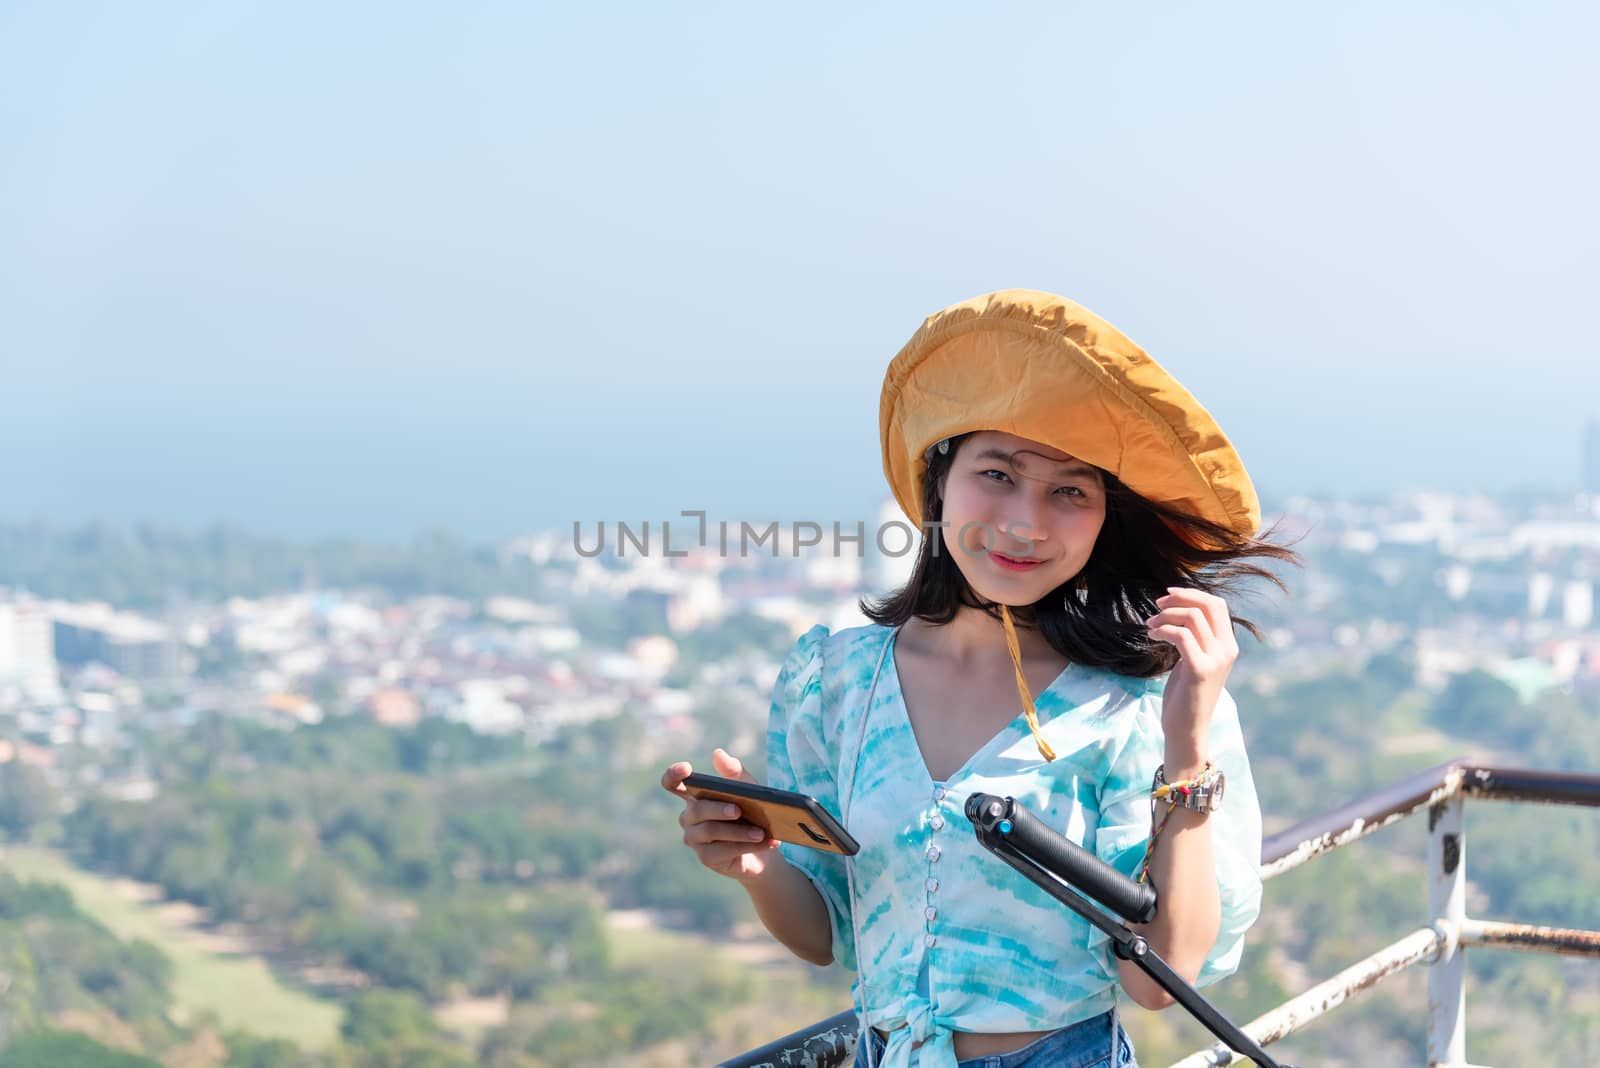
799,759
1124,828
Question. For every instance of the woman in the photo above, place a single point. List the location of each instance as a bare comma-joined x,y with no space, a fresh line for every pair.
1083,515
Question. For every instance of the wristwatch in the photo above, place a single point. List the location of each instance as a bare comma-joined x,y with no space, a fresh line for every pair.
1202,793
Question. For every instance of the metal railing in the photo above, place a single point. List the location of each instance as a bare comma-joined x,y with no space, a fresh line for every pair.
1441,792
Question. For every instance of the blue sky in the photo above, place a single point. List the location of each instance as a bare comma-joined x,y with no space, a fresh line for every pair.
369,268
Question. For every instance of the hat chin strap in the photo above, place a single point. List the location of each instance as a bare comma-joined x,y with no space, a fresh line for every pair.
1015,649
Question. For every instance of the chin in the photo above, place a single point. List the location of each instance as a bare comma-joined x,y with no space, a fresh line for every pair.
1014,596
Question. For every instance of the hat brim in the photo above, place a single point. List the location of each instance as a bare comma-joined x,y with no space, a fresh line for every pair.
1047,369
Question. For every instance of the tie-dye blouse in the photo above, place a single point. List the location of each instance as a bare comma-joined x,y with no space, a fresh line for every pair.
951,938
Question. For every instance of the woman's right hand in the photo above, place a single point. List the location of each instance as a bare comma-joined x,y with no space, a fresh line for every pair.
720,839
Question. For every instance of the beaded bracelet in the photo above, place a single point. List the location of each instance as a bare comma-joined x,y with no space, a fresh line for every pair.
1167,792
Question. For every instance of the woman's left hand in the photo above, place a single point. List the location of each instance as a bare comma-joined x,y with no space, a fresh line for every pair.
1199,625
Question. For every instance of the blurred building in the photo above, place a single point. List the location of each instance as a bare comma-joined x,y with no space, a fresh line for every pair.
394,707
131,645
27,651
698,603
1577,603
483,705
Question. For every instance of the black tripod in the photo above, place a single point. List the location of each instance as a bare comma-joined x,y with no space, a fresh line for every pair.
1062,868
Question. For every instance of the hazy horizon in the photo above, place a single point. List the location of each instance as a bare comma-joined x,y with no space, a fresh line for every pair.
369,271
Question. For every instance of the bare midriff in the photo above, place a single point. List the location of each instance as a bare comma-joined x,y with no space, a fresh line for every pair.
969,1044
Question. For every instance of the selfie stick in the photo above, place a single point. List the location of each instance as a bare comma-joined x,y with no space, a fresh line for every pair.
1061,868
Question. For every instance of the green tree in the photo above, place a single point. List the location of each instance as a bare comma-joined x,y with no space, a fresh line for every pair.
26,799
669,877
383,1017
58,1049
392,1029
1477,707
252,1051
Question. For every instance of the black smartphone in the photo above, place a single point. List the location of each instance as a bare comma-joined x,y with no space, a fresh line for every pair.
783,814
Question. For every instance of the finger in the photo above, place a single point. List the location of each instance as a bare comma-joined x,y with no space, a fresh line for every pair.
707,809
1192,618
672,778
747,834
723,856
1218,618
730,766
1215,608
1183,638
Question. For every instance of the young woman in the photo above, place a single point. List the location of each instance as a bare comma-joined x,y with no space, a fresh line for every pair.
1082,517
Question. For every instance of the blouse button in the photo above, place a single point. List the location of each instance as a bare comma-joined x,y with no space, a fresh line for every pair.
937,823
933,854
938,793
933,886
930,912
929,940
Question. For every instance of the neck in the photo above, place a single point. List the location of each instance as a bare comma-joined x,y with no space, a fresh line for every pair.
974,637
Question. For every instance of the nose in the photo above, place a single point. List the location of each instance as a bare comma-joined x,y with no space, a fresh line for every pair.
1023,534
1025,529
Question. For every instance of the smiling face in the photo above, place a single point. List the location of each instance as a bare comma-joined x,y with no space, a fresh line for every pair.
1022,517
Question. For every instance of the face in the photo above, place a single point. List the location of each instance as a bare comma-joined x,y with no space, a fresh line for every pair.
1022,517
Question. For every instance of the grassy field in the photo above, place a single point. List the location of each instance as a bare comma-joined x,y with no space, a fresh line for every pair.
213,975
238,988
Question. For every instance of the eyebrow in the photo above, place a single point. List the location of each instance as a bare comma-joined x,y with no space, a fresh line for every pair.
1067,468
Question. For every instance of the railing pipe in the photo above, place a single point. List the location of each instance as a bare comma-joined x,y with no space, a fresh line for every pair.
829,1044
1531,938
1447,903
1324,997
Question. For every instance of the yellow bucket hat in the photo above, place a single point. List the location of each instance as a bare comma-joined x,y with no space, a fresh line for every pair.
1045,368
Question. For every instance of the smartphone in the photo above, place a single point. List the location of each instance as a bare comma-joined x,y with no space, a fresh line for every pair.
783,814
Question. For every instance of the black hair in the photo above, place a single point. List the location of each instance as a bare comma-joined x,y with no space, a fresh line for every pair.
1095,618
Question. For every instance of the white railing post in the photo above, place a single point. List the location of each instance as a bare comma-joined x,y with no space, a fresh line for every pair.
1447,902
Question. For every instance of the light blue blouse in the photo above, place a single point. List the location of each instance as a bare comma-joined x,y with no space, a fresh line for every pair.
952,939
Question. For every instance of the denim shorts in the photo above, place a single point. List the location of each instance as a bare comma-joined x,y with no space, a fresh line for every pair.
1085,1044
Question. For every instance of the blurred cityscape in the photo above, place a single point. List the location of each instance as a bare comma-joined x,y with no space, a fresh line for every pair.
1460,582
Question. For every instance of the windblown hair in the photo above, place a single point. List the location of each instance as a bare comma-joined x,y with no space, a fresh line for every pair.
1096,618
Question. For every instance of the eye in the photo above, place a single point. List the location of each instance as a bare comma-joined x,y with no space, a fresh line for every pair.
995,471
1070,490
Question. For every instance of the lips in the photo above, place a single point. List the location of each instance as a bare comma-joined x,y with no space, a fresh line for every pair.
1013,564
